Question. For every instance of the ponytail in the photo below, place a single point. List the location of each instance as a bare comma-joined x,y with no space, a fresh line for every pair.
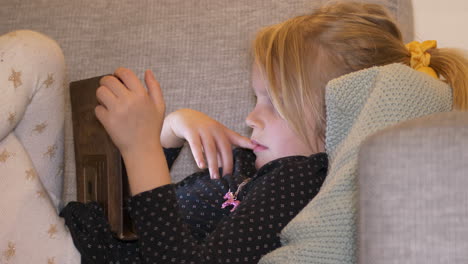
452,65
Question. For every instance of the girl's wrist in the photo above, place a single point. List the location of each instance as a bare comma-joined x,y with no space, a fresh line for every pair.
146,168
145,149
168,138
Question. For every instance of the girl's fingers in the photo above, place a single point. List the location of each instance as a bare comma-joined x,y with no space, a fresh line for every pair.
220,161
238,140
101,114
211,155
197,151
154,89
114,85
225,150
130,80
105,97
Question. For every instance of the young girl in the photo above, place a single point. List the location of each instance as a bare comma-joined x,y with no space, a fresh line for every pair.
237,215
188,222
233,218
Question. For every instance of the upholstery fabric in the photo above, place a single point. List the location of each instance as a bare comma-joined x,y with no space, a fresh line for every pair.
413,198
199,50
358,104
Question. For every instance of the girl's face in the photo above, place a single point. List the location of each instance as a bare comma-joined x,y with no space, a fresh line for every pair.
271,133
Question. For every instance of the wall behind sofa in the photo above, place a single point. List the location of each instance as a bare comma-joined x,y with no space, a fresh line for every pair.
444,21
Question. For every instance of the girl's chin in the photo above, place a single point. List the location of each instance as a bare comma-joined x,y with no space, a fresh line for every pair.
259,162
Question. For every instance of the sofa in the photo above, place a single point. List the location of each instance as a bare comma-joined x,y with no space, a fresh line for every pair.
413,203
200,53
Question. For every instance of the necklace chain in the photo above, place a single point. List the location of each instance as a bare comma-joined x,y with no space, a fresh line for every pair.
241,186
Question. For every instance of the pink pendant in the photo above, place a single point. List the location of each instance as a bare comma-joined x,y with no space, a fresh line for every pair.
231,200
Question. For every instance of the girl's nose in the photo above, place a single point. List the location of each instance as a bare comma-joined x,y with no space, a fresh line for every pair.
250,120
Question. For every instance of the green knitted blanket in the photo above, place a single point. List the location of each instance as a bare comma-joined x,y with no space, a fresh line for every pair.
358,104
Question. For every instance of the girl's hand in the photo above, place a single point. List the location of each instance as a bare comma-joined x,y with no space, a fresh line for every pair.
204,135
132,116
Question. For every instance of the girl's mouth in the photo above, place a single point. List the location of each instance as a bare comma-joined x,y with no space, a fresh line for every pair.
258,147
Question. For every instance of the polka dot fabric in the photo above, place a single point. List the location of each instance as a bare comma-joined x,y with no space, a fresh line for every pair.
184,222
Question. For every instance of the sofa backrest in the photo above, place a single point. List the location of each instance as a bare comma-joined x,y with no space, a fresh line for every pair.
199,50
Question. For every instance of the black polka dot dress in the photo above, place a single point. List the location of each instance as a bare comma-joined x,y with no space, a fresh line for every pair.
184,222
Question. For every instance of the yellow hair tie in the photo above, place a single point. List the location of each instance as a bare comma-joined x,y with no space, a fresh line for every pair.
420,59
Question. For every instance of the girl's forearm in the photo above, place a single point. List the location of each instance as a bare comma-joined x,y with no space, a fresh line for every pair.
146,169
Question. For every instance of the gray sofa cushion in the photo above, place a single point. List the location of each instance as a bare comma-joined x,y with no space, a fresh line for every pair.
199,50
413,198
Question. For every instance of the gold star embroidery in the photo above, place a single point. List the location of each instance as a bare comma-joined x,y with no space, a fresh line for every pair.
11,251
52,230
30,174
51,151
50,80
51,260
39,128
40,194
11,118
15,77
5,155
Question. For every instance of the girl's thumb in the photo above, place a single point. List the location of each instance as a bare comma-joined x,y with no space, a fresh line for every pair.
154,89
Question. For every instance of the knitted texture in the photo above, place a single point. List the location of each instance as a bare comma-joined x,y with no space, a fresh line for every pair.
358,105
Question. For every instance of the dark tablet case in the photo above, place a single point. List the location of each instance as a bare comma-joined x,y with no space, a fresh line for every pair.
100,170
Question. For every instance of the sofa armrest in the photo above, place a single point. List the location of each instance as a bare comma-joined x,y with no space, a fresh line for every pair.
413,199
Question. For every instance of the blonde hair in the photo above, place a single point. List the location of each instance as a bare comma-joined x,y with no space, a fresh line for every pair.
300,55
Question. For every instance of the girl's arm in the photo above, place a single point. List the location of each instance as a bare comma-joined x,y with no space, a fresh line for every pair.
133,118
140,163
